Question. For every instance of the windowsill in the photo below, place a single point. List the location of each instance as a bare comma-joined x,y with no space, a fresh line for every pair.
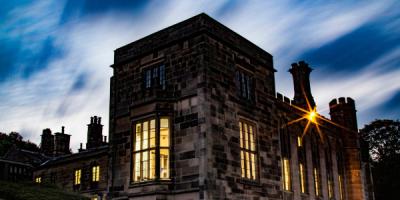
150,182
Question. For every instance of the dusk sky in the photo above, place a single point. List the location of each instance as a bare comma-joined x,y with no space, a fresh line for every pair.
55,56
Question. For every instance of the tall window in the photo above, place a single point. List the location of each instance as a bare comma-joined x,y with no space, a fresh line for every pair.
248,150
78,174
95,173
316,166
301,154
245,85
329,171
154,77
285,150
340,163
150,143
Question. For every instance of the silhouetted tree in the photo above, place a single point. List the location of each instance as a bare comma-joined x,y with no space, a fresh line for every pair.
14,138
383,137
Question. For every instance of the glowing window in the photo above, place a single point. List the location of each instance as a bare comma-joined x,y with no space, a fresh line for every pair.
78,174
302,178
341,187
248,151
286,174
38,179
95,173
146,148
316,182
301,156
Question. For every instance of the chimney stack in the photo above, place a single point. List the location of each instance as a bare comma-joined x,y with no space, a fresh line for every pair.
301,82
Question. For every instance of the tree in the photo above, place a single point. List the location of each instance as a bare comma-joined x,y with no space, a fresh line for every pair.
383,137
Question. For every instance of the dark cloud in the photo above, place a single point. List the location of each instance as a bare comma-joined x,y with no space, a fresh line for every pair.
353,51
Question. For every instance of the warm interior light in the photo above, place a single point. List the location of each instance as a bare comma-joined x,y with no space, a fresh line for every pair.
311,116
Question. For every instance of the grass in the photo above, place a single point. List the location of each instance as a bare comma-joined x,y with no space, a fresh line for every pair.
32,191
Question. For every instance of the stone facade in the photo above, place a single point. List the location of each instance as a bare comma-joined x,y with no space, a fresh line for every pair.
194,115
203,99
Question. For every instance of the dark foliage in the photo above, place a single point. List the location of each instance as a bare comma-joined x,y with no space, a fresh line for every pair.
14,138
383,137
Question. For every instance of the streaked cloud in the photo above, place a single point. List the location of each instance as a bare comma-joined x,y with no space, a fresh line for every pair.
72,47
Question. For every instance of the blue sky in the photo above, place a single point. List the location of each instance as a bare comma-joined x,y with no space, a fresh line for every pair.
55,55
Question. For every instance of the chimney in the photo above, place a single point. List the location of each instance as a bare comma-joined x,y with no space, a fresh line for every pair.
301,82
105,138
62,129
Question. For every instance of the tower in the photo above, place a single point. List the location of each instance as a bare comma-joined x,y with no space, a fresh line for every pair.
61,144
301,83
94,133
343,113
47,143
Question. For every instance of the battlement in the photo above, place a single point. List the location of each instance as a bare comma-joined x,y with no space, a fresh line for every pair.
95,120
283,98
342,101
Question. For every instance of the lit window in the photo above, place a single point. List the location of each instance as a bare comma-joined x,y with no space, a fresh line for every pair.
316,182
341,187
95,173
302,178
245,85
301,155
286,174
330,189
154,77
248,152
145,150
285,151
299,141
38,179
316,165
78,174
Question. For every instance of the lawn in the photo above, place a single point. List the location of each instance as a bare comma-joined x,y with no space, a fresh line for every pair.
32,191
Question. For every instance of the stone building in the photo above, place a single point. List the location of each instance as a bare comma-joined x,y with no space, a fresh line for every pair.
85,172
194,114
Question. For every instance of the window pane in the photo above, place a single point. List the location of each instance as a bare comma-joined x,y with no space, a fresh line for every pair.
164,132
241,134
162,76
152,164
148,78
252,142
253,166
145,144
152,133
242,158
246,136
164,163
137,138
137,167
145,165
286,174
247,165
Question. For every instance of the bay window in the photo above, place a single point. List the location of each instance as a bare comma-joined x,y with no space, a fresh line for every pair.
150,154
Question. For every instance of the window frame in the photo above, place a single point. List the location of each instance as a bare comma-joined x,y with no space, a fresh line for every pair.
76,184
245,84
154,76
156,149
248,151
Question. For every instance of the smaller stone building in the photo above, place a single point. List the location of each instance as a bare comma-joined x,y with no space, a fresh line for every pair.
84,172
